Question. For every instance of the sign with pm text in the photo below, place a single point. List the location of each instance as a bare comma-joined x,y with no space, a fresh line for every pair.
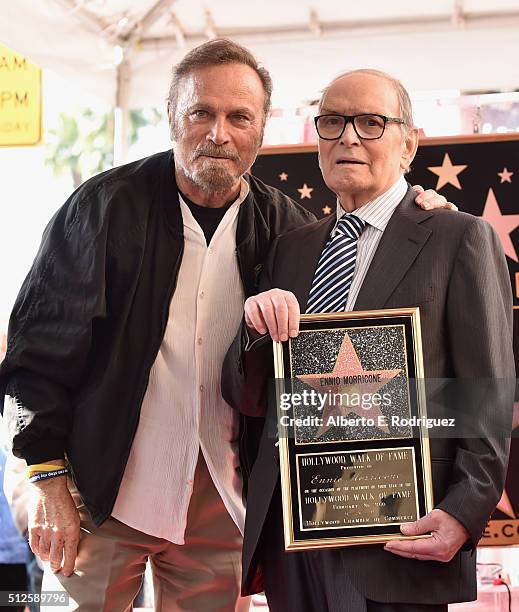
20,100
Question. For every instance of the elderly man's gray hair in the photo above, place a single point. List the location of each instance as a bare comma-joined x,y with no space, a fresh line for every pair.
404,101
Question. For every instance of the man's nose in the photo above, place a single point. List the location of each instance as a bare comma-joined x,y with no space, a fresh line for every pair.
218,132
349,136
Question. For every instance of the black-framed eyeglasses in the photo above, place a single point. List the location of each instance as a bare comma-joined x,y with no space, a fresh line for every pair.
366,126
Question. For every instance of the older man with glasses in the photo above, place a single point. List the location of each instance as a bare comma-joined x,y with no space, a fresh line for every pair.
380,251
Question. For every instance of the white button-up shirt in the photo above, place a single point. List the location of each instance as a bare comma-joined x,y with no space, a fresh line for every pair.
183,410
376,213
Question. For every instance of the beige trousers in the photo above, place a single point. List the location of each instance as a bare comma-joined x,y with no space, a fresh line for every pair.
202,575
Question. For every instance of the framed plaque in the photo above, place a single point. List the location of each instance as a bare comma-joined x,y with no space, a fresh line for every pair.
353,444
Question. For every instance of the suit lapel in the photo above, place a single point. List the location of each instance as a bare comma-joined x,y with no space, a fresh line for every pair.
402,241
308,257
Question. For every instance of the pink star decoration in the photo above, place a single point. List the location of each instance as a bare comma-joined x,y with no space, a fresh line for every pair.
503,224
506,176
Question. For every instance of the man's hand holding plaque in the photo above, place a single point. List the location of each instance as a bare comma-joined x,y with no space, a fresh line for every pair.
354,458
448,536
276,312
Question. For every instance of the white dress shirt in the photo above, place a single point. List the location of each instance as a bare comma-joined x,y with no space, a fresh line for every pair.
376,213
183,411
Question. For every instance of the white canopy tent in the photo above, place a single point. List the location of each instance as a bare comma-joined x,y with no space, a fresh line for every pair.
122,50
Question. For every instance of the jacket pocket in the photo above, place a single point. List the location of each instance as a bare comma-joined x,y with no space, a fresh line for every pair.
441,474
406,296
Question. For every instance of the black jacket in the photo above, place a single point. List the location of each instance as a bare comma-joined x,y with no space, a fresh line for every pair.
91,314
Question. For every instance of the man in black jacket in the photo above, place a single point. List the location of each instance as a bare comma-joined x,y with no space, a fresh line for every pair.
115,347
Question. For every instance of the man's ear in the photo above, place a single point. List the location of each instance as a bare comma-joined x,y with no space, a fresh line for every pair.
171,118
409,149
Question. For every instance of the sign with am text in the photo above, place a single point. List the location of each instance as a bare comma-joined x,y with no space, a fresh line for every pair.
20,100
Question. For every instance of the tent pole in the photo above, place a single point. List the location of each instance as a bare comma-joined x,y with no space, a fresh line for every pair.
121,114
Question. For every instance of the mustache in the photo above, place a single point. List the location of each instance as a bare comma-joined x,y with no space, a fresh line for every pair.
215,151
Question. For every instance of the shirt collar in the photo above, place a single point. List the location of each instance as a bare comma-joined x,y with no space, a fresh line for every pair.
244,191
377,212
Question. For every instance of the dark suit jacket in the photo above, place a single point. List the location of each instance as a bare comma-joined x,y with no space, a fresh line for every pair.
452,266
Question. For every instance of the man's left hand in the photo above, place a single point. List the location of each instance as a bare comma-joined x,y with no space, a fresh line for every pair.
448,536
428,200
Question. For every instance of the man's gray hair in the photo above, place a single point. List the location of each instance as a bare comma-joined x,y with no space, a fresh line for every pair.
217,52
404,101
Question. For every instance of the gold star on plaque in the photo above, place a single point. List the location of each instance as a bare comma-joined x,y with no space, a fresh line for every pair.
347,365
283,176
447,173
326,210
506,176
306,192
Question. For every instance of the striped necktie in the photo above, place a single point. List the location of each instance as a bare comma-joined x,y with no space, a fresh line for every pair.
334,273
